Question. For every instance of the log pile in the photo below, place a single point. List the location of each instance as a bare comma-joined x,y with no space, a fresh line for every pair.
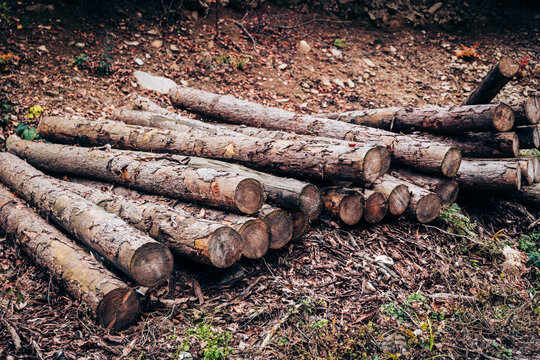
148,182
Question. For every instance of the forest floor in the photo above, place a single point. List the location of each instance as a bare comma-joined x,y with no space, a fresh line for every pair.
393,290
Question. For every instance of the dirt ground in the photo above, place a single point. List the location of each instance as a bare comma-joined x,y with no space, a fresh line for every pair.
393,290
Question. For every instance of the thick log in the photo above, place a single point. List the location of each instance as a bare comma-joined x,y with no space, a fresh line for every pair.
375,207
489,175
493,82
300,223
529,136
396,191
535,164
299,158
344,204
424,205
157,174
412,150
208,242
280,223
140,257
438,120
528,111
116,306
527,170
446,189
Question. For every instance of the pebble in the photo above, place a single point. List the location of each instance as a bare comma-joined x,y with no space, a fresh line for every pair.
174,48
157,44
139,62
69,110
393,49
369,63
337,53
385,260
350,83
303,47
282,66
152,32
132,43
43,48
76,79
325,81
466,88
339,83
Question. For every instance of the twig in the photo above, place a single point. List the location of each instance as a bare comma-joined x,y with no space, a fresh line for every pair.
457,235
14,336
277,325
241,26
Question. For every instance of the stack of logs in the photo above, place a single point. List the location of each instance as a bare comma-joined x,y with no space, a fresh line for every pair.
214,192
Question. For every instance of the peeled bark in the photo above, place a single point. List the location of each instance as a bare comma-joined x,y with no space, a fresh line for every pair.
489,175
344,204
412,150
158,174
446,189
438,120
528,112
529,136
396,191
143,259
203,241
424,205
280,223
116,306
375,207
288,157
493,82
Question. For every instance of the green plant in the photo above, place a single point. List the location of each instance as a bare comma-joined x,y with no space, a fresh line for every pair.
35,112
458,222
106,61
340,43
216,344
80,60
4,14
223,59
240,64
27,132
531,245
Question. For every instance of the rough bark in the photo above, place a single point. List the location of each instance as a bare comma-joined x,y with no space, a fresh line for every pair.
493,82
158,174
344,204
412,150
208,242
438,120
146,261
528,111
304,158
280,223
375,207
529,136
446,189
116,306
396,191
489,175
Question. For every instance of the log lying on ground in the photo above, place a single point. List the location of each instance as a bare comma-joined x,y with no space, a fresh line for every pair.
203,241
535,164
143,259
299,158
446,189
375,206
424,205
529,136
116,306
280,223
438,120
527,170
493,82
344,204
396,191
148,172
412,150
489,175
528,194
528,112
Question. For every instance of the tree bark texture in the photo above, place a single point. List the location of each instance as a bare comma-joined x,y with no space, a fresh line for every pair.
446,189
344,204
489,175
528,111
396,191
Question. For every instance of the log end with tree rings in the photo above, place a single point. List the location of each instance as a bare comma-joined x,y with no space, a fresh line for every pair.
281,228
351,208
503,118
532,109
386,159
398,201
300,223
372,166
508,67
451,162
447,190
225,247
151,264
310,202
376,207
249,196
255,238
427,208
118,309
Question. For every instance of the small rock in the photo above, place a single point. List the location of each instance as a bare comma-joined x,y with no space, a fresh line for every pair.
52,93
393,49
443,78
147,56
325,81
282,66
314,91
466,88
132,43
369,63
175,67
69,110
339,83
336,53
157,44
184,82
139,62
184,355
385,260
154,83
305,85
350,83
43,48
304,47
174,48
80,45
76,79
434,8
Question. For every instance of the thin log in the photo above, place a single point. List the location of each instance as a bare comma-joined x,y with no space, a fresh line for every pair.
140,257
424,205
116,305
300,223
446,189
280,223
396,191
528,111
376,206
310,159
536,165
438,120
412,150
529,136
344,204
493,82
489,175
158,174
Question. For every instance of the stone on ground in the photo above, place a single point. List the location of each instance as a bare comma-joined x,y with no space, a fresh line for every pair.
154,83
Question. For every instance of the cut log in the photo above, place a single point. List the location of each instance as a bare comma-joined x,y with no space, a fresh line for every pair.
300,223
529,136
157,174
143,259
396,191
527,170
203,241
536,165
310,159
375,207
446,189
280,223
493,82
528,195
411,150
489,175
528,112
116,306
438,120
424,205
344,204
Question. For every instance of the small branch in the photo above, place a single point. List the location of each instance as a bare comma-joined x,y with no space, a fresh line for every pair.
241,26
14,336
276,327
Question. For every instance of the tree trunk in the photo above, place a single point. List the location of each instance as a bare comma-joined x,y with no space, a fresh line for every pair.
438,120
375,207
529,136
446,189
493,82
528,112
299,158
208,242
344,204
411,150
158,174
280,223
146,261
396,191
489,175
116,306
